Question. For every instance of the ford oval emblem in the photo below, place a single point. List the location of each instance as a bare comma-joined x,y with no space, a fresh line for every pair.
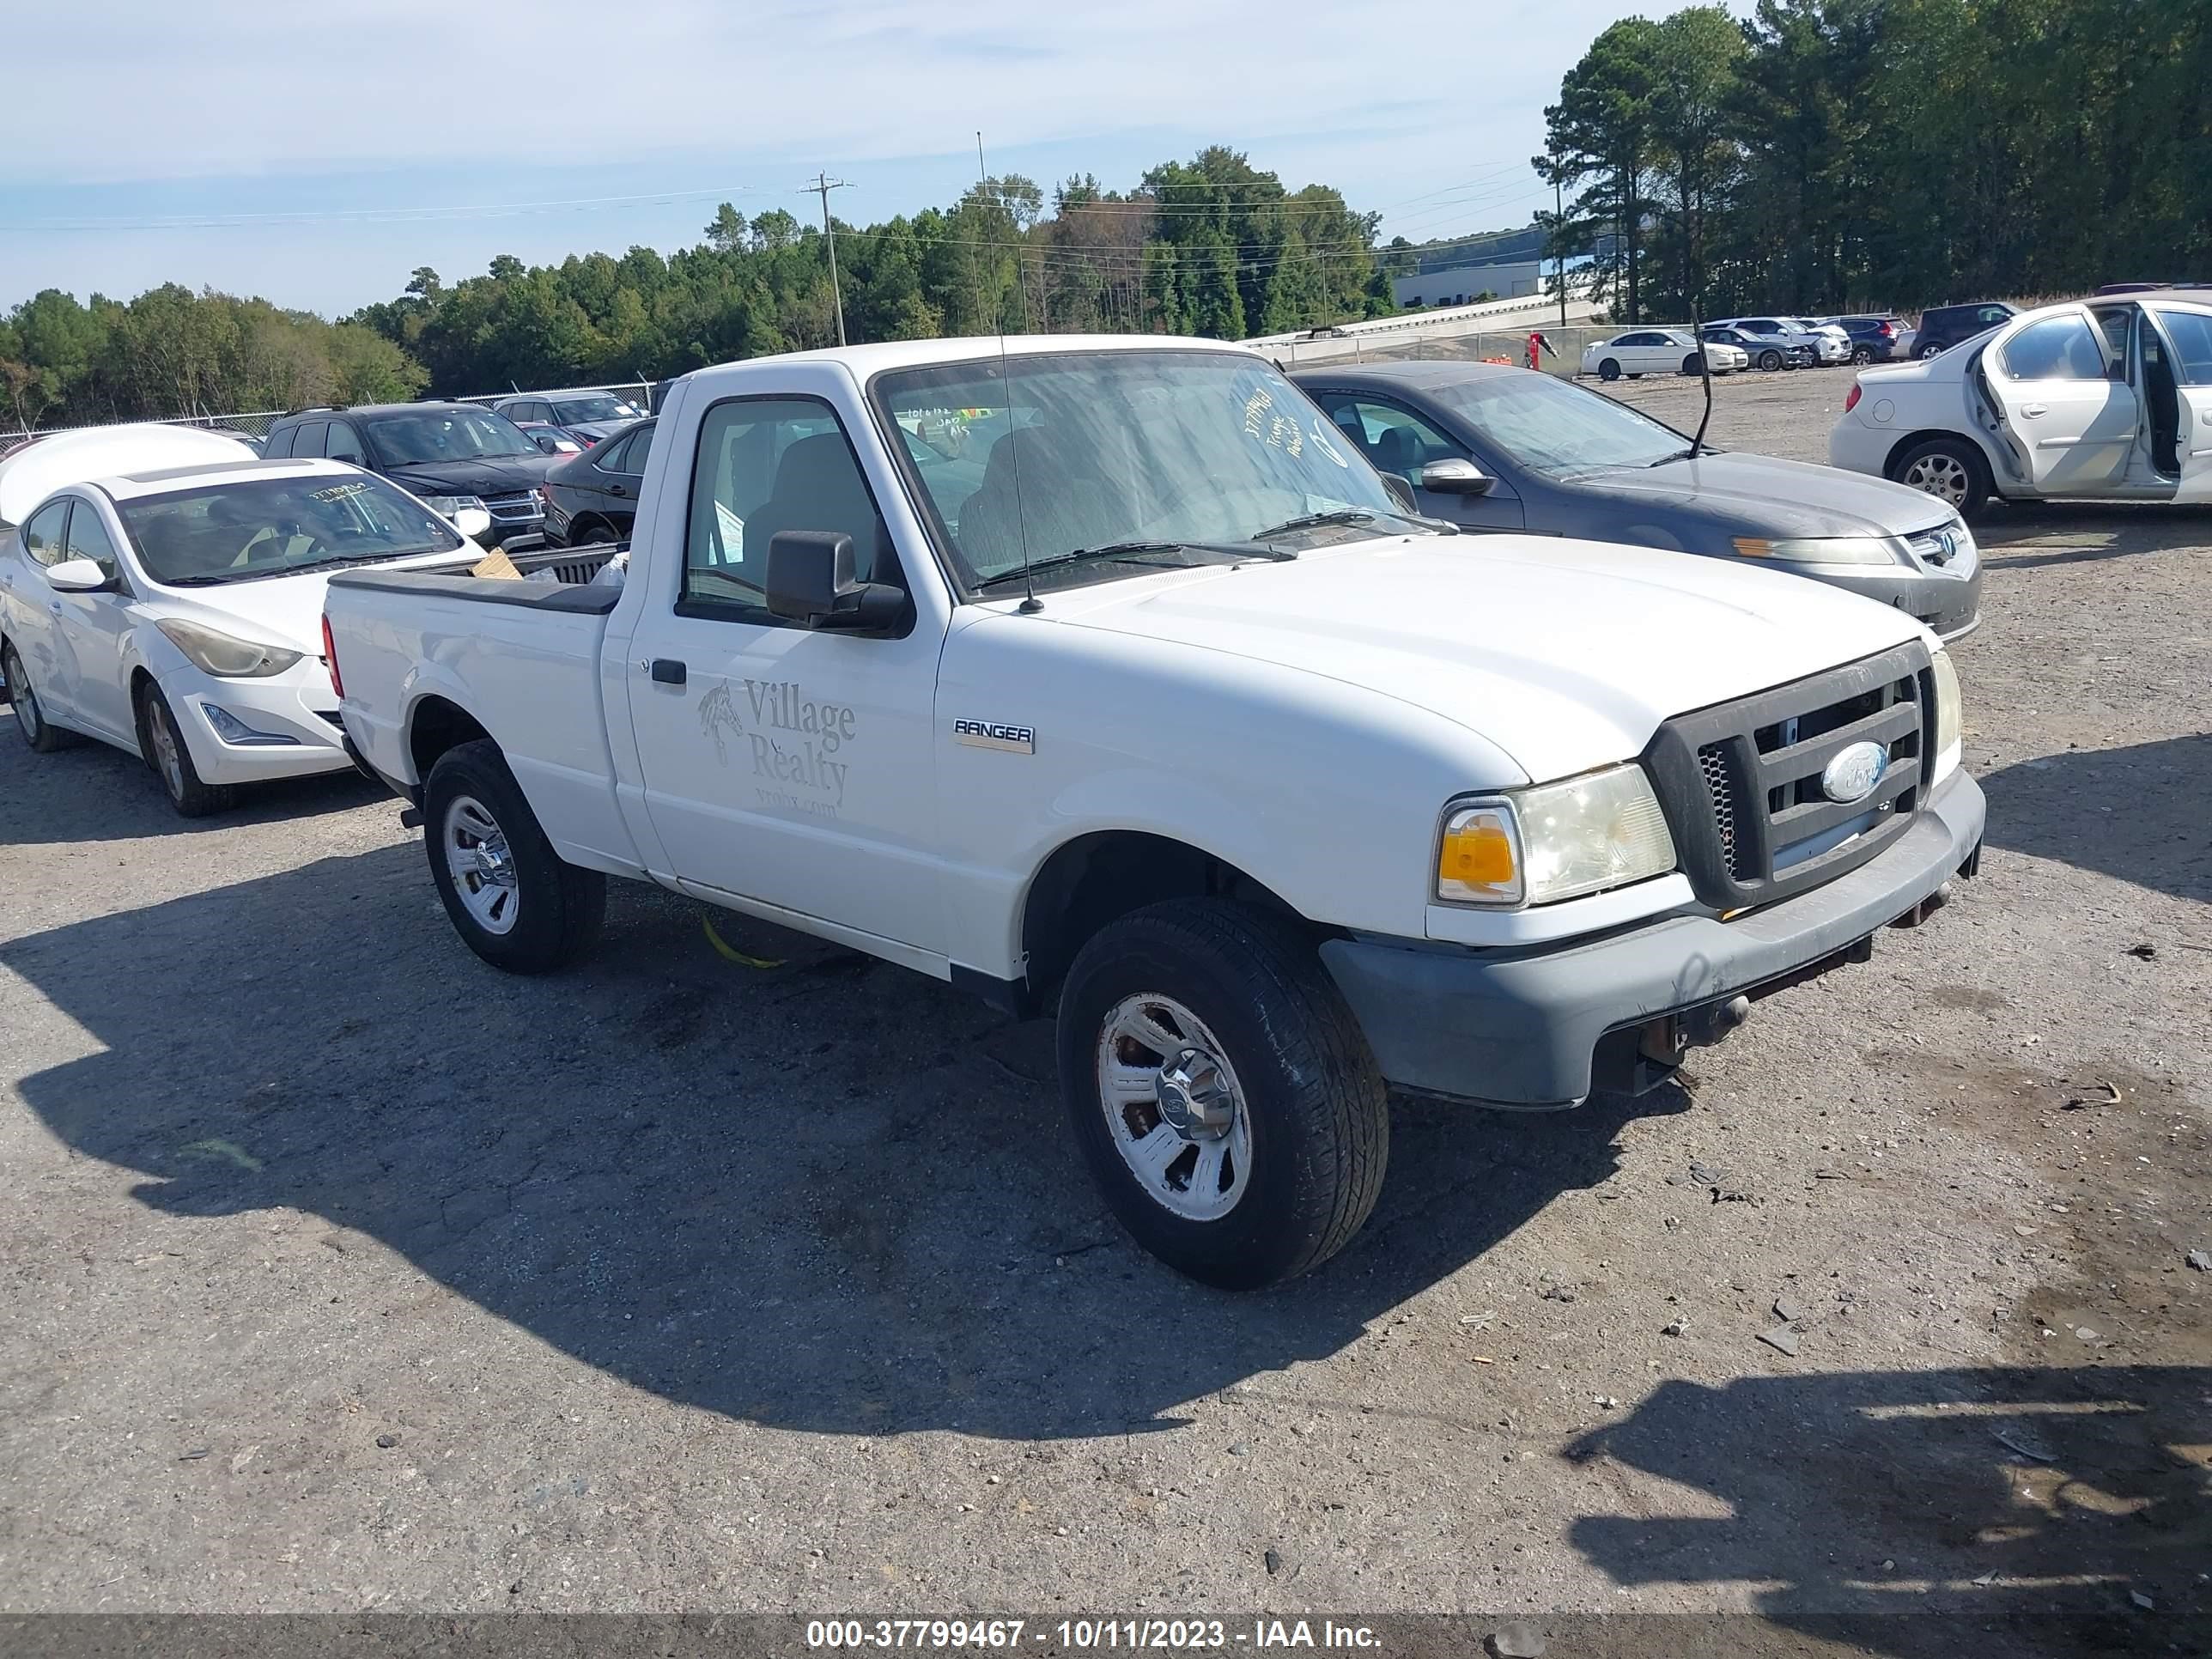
1852,775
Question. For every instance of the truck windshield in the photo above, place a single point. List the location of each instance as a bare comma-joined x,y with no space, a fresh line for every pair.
247,528
1557,428
427,436
1052,453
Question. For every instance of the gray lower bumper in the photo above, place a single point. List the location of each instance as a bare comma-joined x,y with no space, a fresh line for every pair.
1520,1028
1949,603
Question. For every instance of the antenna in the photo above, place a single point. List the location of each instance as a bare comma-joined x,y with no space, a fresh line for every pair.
1030,602
1705,373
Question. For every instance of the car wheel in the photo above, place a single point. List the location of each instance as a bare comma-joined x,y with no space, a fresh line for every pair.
31,720
1222,1093
1862,354
165,750
1690,364
1927,351
1609,369
1770,360
1949,469
513,900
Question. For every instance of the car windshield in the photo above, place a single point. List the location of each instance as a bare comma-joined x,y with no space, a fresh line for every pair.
1555,428
244,529
427,436
1139,458
576,411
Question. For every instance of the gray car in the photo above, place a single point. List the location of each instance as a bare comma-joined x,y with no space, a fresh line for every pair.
1491,447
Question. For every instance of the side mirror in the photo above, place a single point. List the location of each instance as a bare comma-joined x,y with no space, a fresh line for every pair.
474,522
1455,477
547,443
78,576
810,582
1401,492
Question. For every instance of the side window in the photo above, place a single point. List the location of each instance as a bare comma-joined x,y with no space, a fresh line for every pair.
279,446
343,444
1398,441
2063,348
766,465
2192,334
641,446
608,456
1990,316
309,440
88,538
532,411
42,536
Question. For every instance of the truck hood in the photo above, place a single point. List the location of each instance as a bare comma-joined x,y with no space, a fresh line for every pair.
484,475
1565,655
1762,495
286,611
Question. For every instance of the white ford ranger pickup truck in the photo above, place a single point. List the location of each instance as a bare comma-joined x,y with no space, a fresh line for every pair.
1099,677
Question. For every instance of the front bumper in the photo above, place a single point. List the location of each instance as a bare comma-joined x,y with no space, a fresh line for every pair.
292,717
1520,1028
1948,599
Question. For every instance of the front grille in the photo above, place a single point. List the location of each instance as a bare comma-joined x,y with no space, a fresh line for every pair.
1935,547
520,508
1742,781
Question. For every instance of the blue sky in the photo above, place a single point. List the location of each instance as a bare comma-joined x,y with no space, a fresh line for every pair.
315,156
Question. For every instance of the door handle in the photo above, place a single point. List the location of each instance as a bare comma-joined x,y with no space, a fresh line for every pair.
667,671
2031,410
616,489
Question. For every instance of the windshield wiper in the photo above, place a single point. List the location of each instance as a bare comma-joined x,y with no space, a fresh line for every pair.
1350,515
1127,553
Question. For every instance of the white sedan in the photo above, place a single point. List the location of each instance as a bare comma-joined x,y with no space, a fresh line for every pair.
1658,351
175,612
2106,399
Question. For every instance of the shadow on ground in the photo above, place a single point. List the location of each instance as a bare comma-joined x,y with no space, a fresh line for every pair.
2137,813
2024,535
831,1196
2036,1502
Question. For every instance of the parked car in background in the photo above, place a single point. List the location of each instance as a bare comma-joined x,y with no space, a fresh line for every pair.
1039,732
1493,448
1658,351
1825,347
586,416
1944,326
1763,352
454,456
1872,339
174,611
593,497
2108,399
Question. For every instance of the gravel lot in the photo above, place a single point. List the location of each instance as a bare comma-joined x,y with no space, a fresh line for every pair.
343,1273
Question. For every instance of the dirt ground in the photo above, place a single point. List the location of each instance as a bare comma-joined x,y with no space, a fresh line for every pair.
343,1273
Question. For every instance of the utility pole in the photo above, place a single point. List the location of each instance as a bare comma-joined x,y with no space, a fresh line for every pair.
823,185
1559,242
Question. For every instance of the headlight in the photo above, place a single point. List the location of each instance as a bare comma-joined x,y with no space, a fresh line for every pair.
449,505
227,656
1555,840
1950,719
1819,549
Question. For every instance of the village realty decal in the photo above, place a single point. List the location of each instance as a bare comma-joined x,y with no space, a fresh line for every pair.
791,738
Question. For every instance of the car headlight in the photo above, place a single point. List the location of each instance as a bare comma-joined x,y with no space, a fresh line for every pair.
446,506
1819,549
1554,840
1950,718
225,656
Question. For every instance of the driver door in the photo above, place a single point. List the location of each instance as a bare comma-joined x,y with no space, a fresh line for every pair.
2187,337
35,615
2069,424
1397,440
92,631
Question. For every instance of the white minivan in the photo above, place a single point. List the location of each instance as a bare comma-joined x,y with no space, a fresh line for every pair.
175,610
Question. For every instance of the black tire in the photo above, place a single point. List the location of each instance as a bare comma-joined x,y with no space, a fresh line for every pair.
1316,1107
1927,351
163,748
1690,364
1770,360
1609,369
559,910
1922,465
585,532
1862,354
42,734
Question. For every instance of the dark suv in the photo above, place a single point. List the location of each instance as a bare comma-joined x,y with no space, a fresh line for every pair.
1944,326
451,455
1873,339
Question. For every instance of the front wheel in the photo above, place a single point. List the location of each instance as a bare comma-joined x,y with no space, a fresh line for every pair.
1223,1096
513,900
1609,369
1690,364
30,719
165,750
1770,360
1949,469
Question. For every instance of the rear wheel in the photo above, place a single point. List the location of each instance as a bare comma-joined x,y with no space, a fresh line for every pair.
1949,469
1609,369
1927,351
1770,360
1223,1095
1862,354
163,746
30,718
513,900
